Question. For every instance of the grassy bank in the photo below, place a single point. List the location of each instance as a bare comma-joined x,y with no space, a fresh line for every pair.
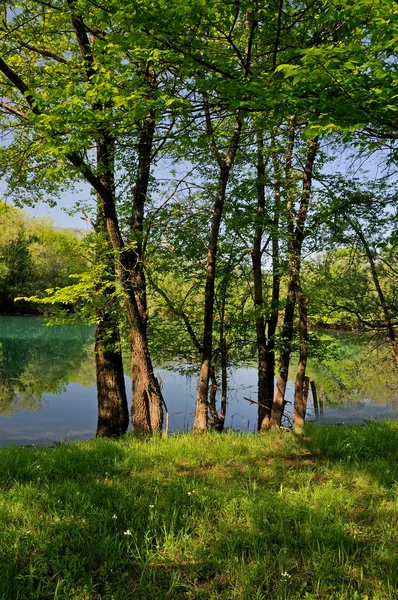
231,516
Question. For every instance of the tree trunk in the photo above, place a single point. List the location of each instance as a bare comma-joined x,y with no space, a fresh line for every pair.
113,416
146,389
278,403
295,242
142,402
276,281
314,399
263,397
111,390
140,406
224,383
300,400
213,398
200,417
276,274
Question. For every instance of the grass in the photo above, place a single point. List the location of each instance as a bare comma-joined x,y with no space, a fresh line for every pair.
229,516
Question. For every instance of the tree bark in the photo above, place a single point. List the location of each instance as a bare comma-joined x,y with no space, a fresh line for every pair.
300,400
314,399
278,403
224,383
295,242
113,416
140,394
263,397
147,395
213,398
146,390
200,417
111,390
276,279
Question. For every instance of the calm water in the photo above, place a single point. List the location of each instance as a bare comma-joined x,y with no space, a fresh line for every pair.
47,386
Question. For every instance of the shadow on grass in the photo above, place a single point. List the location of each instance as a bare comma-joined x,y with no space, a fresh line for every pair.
118,521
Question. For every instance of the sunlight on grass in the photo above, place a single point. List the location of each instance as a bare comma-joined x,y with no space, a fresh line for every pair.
218,516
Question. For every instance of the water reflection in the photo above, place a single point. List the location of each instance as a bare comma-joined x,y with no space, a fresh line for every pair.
354,369
359,413
53,368
36,360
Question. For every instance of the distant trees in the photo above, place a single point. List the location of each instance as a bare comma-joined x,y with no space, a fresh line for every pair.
34,256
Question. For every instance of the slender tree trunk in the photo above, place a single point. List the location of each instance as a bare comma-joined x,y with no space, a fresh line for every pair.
376,281
200,417
315,399
223,360
300,400
278,403
225,164
224,383
295,242
153,403
276,275
274,314
213,397
264,423
263,397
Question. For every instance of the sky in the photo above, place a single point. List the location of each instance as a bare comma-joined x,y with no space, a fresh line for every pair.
58,214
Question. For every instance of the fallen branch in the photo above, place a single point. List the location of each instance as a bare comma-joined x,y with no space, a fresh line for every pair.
255,402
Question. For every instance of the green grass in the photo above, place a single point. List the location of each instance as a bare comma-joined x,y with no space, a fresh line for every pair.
219,516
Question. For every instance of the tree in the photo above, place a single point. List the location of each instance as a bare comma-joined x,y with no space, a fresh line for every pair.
46,112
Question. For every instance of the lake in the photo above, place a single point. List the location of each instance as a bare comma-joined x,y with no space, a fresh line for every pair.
47,384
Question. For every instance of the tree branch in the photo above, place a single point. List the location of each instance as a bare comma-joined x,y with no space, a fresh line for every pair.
12,110
19,84
46,53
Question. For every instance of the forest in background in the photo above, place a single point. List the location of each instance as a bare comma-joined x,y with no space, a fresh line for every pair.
241,158
34,257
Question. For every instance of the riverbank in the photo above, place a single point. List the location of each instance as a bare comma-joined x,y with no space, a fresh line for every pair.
219,516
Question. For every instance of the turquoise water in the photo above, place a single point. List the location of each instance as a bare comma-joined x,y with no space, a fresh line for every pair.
47,386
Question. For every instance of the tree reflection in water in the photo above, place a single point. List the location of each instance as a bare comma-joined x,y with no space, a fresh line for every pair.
35,360
354,368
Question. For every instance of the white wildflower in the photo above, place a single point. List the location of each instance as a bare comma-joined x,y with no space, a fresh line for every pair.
114,517
128,532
